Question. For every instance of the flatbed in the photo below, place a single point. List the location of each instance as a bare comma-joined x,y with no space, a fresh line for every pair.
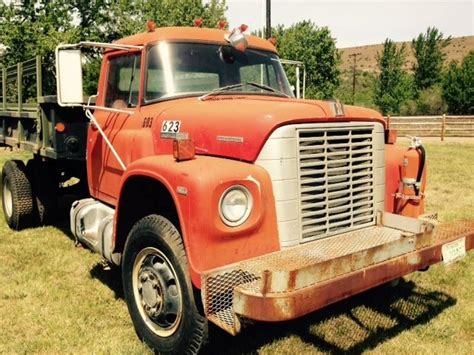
34,122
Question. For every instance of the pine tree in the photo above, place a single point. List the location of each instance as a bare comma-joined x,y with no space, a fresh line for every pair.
428,50
393,86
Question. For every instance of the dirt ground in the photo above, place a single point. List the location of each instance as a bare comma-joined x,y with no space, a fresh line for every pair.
456,50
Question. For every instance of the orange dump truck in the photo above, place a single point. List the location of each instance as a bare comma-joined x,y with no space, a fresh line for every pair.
220,195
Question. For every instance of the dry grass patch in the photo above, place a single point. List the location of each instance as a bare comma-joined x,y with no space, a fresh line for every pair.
456,50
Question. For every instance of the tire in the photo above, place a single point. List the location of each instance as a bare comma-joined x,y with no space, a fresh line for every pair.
17,195
158,290
45,191
393,283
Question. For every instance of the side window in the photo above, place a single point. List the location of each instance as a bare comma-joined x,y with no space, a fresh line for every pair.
123,81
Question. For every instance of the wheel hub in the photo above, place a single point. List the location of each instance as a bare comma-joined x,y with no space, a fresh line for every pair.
158,293
7,198
151,293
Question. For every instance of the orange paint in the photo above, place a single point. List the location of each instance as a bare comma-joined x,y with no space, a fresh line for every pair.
402,162
218,164
209,242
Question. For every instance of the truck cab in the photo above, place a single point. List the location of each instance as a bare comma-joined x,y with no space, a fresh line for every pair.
222,196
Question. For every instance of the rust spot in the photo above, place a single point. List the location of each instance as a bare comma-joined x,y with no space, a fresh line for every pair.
292,280
288,284
266,281
281,306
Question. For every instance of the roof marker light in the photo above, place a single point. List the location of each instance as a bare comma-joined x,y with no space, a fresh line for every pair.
150,26
198,22
222,24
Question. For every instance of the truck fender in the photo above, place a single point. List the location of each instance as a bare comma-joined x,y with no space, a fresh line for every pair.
191,191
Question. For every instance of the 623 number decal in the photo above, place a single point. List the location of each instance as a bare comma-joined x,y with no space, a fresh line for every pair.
170,126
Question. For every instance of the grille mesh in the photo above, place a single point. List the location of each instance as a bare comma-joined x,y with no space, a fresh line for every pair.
336,180
218,295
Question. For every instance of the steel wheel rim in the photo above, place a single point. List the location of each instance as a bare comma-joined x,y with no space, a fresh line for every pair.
157,292
7,198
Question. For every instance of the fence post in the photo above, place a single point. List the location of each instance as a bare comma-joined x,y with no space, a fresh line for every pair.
443,127
388,121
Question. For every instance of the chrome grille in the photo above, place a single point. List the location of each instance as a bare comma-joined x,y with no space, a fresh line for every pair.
336,180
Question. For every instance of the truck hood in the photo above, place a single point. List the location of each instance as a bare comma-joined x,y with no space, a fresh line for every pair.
237,126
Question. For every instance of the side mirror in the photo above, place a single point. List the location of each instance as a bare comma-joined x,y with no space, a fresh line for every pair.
69,77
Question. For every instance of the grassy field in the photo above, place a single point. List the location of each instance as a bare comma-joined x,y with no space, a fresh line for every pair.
56,297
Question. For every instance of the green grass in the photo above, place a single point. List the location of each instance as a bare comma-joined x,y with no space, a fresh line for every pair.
56,297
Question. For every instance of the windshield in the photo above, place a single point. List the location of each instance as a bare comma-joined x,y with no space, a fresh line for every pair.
177,69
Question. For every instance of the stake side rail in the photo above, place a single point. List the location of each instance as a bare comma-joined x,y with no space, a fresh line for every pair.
29,119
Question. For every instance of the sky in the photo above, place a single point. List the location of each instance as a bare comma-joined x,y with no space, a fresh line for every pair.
355,23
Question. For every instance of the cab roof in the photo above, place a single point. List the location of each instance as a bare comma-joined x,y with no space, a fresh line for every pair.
192,34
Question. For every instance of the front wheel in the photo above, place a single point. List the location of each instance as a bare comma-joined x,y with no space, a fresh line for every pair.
158,290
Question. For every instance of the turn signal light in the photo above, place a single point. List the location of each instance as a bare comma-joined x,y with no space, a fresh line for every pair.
183,149
390,136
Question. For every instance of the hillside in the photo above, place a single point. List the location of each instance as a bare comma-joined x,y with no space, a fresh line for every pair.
457,49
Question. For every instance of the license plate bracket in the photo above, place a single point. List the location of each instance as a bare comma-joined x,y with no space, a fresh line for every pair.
454,251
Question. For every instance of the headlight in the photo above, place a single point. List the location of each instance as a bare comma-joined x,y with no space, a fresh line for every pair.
235,205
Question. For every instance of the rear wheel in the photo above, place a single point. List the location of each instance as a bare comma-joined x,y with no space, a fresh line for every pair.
158,290
17,195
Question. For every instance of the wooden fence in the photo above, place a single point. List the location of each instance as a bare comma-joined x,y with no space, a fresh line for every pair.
432,126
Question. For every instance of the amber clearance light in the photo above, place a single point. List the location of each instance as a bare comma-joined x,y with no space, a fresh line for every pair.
60,127
183,149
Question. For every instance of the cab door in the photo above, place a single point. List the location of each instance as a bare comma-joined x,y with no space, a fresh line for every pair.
121,86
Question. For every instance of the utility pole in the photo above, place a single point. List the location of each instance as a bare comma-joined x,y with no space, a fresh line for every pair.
354,67
269,20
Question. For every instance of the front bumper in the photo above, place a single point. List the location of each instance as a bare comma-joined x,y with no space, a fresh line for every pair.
296,281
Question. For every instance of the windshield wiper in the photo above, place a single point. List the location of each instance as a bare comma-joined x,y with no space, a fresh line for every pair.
220,90
268,88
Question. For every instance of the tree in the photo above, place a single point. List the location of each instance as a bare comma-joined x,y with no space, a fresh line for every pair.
393,86
163,13
429,55
35,27
315,47
429,102
458,86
